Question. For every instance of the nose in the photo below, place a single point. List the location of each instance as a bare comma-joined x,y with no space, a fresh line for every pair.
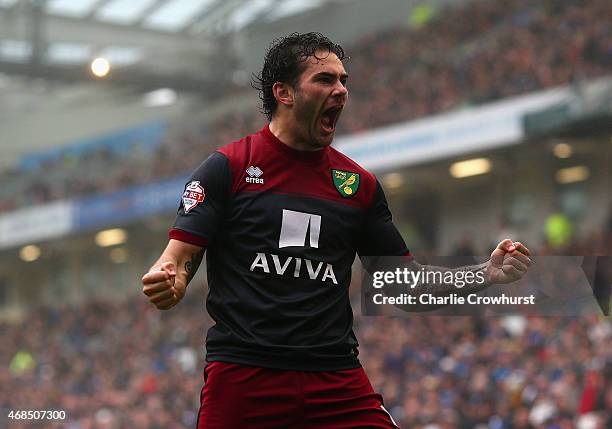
340,91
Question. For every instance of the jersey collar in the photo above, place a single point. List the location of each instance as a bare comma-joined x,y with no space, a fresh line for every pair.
298,155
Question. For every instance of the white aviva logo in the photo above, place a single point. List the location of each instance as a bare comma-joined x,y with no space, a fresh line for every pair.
295,229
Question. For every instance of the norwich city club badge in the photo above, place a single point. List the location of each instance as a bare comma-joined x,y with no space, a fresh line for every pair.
345,182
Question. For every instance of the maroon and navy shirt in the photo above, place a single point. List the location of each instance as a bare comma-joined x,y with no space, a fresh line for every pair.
282,228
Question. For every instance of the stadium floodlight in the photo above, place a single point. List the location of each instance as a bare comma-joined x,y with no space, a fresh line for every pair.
575,174
470,167
562,150
111,237
100,67
29,253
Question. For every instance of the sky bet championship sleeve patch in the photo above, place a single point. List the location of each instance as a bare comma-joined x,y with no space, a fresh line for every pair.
345,182
193,195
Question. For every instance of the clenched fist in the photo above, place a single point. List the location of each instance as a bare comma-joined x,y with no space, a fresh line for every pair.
161,287
509,262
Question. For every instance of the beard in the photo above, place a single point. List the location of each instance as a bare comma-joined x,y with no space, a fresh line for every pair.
307,116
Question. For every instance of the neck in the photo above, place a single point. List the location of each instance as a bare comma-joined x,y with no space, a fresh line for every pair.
286,133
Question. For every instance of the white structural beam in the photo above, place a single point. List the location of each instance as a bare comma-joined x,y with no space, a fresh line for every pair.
207,22
14,26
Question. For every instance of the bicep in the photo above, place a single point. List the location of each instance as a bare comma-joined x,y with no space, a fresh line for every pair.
380,236
204,202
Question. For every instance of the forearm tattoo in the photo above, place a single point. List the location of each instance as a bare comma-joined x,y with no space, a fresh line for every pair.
192,265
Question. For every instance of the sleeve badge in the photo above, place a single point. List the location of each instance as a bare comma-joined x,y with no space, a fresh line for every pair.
193,195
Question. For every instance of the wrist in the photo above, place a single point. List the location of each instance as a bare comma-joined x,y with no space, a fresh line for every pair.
488,270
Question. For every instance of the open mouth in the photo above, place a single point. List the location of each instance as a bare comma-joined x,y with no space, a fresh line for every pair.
330,117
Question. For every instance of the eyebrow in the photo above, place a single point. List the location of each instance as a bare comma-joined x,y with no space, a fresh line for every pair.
342,76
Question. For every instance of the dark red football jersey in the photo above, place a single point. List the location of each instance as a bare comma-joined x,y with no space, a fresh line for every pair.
282,228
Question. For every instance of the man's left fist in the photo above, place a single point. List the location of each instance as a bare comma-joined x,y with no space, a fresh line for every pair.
509,262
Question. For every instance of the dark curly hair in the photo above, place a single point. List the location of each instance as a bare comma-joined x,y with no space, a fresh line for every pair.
284,62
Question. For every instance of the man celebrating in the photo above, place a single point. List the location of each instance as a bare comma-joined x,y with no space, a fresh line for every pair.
282,216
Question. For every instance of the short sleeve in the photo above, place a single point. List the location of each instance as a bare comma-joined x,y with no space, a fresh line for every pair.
380,237
204,202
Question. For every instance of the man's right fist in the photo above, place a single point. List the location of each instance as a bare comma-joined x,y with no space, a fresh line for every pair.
159,285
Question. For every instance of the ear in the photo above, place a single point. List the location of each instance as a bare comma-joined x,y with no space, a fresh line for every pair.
284,93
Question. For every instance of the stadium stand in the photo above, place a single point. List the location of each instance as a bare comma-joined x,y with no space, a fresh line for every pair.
124,364
474,53
113,364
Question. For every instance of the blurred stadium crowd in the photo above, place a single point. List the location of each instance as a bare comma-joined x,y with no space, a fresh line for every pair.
478,52
115,365
123,364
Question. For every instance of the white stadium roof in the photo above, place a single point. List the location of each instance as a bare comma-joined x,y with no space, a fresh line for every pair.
174,15
161,42
190,51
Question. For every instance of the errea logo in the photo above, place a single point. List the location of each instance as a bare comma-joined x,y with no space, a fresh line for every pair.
254,175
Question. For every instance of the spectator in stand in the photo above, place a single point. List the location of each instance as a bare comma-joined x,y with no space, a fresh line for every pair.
472,53
129,371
